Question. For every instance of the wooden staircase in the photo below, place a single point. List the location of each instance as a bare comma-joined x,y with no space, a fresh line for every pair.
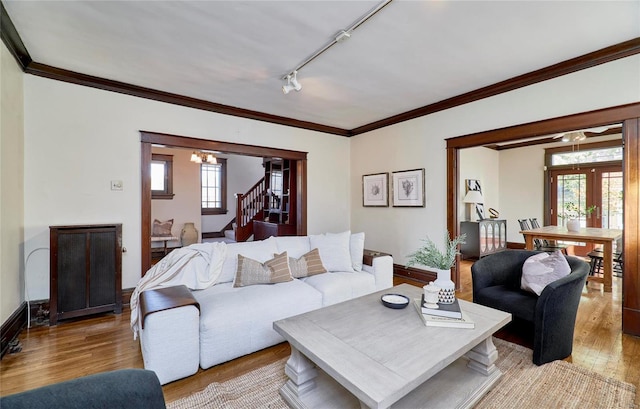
249,207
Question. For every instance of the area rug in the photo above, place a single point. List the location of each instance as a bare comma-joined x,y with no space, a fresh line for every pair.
523,385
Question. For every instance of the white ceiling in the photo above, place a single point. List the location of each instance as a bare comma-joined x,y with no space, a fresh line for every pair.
409,55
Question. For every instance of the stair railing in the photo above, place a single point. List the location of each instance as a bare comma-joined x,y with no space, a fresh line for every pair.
249,207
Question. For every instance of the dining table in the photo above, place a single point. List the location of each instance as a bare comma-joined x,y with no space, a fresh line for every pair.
596,235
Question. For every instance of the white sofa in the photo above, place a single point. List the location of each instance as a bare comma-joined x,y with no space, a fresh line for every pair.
235,321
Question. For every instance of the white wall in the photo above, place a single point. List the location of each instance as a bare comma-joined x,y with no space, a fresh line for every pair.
77,139
521,188
421,143
11,184
481,164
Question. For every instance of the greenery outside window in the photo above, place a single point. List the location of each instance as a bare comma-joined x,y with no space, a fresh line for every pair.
161,176
213,179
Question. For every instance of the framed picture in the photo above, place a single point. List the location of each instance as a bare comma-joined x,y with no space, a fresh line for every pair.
375,190
480,211
408,188
473,184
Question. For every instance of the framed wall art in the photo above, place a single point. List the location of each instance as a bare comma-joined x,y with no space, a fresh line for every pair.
375,190
408,188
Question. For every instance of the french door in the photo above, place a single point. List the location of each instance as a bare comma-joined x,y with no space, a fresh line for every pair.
581,189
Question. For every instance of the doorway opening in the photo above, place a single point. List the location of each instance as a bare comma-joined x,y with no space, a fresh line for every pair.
149,139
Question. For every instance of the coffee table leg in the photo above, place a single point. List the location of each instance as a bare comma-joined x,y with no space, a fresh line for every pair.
483,356
302,373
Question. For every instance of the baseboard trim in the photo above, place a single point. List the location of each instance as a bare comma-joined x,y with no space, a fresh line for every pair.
126,295
413,273
515,246
12,326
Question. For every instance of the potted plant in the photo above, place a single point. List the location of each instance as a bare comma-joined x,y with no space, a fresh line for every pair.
441,262
572,213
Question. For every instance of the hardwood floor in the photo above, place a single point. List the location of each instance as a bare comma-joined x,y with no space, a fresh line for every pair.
77,348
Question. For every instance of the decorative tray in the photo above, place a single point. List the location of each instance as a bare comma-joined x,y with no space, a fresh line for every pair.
395,301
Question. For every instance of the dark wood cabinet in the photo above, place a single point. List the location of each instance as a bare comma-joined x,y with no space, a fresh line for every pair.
279,207
85,270
280,185
263,230
484,237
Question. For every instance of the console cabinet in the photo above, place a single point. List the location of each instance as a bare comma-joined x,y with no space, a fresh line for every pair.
484,237
85,270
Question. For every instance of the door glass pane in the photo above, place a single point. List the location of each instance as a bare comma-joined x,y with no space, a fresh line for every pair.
612,200
572,197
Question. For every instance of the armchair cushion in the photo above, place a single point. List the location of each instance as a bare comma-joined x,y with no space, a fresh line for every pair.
521,304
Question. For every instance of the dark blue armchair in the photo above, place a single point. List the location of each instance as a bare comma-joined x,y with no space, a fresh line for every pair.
496,284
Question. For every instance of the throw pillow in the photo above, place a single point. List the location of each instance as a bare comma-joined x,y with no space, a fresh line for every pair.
307,265
260,250
251,272
542,269
356,248
162,229
334,250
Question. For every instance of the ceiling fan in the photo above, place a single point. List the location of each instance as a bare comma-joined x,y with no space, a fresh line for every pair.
579,135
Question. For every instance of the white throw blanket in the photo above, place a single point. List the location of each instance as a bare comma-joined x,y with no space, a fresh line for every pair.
197,266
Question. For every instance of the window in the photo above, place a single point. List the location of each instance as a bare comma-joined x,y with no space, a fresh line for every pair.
587,156
161,176
214,187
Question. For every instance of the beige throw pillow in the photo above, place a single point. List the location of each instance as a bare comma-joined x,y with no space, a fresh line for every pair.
162,229
307,265
251,272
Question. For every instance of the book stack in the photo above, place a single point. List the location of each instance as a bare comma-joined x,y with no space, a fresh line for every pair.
446,315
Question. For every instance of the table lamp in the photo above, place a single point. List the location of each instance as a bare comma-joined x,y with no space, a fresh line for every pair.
471,198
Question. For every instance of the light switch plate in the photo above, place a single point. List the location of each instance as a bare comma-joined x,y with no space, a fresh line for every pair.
116,185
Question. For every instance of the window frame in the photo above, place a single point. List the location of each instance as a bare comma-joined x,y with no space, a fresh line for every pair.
167,193
223,209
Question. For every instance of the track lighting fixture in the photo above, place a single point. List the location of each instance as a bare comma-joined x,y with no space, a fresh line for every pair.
292,83
343,35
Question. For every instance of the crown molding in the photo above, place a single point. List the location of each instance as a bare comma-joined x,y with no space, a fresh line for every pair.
12,40
602,56
60,74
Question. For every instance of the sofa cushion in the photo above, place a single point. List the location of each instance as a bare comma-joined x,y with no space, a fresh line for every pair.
295,246
340,286
542,269
307,265
334,250
356,248
519,303
239,321
252,272
261,251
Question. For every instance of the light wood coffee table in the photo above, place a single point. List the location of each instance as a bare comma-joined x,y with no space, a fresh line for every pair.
360,353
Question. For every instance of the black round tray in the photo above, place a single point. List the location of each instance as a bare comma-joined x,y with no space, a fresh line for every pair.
395,301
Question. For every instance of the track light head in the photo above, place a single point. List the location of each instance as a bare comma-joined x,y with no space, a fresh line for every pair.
292,83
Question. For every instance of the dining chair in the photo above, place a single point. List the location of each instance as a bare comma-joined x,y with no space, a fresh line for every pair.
539,244
596,262
548,243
